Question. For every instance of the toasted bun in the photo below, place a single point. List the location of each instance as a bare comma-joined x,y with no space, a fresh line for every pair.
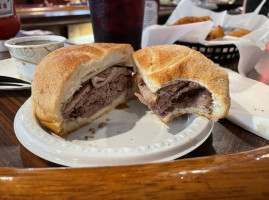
163,65
61,74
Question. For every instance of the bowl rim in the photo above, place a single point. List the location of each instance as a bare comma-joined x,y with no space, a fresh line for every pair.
11,43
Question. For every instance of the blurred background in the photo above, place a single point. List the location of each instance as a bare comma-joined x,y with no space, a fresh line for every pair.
71,18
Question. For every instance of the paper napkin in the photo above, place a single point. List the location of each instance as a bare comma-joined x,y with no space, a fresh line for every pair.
250,46
249,104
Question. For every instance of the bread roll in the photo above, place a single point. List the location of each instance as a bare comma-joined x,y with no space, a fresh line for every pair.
175,80
64,73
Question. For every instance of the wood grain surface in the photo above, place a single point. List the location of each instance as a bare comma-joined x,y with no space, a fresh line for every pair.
236,176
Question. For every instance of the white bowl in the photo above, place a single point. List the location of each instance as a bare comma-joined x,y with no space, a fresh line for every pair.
28,56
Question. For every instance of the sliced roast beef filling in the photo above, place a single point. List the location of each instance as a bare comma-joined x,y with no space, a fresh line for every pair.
182,94
97,93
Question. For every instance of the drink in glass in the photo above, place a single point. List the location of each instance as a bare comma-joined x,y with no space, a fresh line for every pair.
117,21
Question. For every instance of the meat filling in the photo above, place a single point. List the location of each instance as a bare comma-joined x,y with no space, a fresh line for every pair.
182,94
98,92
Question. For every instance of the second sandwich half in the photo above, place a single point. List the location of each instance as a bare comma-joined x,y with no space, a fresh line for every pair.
77,84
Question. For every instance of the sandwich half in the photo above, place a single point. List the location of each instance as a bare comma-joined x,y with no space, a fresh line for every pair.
75,85
174,80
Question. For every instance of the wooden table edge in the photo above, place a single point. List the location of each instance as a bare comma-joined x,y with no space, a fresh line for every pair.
243,175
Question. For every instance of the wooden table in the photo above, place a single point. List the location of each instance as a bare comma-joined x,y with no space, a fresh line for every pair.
37,17
231,164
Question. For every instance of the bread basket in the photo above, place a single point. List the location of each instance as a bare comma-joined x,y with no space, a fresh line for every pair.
224,53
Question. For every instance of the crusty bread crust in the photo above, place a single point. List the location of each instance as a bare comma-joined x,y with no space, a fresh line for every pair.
62,72
162,65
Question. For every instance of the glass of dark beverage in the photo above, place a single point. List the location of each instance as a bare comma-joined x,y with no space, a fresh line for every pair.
117,21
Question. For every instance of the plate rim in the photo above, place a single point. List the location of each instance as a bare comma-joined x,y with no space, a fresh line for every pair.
101,156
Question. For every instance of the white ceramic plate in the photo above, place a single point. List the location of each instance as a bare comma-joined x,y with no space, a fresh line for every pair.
8,68
131,136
